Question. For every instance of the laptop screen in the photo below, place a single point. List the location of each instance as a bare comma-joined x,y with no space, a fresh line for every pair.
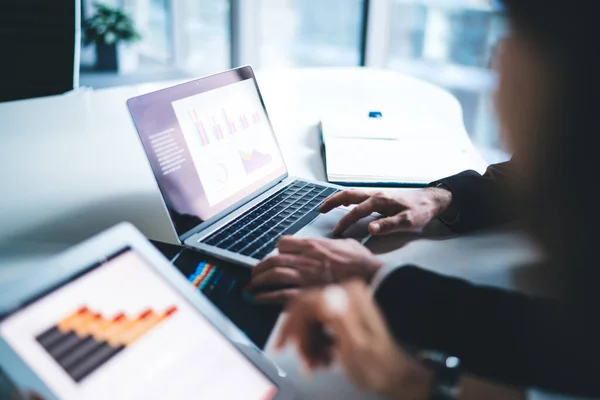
210,144
98,336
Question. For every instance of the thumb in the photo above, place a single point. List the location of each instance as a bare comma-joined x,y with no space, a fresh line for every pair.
388,225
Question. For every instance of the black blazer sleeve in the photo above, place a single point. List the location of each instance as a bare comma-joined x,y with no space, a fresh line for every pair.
499,335
480,200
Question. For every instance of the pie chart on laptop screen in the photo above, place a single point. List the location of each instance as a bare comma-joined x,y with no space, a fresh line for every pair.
221,173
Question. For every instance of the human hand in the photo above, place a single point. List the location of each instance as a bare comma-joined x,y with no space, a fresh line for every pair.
411,209
343,322
311,262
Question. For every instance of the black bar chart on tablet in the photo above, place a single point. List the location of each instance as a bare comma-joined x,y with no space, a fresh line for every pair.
85,340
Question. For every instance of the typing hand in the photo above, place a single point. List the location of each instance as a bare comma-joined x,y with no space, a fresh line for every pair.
310,262
402,210
343,322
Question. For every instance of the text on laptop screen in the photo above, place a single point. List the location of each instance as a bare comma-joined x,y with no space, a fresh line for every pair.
208,148
122,332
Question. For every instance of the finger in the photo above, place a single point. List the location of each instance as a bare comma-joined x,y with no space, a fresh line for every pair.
280,276
277,296
341,320
388,225
285,260
315,345
292,245
361,299
265,265
301,326
362,210
295,313
346,198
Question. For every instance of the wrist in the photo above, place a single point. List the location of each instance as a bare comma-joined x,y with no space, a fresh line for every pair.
415,384
373,267
440,200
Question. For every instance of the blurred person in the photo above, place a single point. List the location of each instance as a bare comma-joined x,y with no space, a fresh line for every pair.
343,323
546,102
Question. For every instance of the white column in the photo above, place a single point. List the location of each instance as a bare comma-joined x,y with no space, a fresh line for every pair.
378,33
244,32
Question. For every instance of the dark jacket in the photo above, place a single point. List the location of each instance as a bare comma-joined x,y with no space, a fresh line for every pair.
498,334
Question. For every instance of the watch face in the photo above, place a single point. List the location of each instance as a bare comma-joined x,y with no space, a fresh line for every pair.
452,362
447,373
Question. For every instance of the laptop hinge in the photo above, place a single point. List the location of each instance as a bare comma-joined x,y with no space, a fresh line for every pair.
207,224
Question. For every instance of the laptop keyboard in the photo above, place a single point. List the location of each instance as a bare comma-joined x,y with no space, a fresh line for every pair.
255,232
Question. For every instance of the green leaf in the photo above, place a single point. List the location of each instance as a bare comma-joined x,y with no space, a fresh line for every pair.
110,25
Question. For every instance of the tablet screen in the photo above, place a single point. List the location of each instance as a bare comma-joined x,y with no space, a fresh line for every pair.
121,331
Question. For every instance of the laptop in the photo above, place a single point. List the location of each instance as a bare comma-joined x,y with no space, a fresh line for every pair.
220,171
117,321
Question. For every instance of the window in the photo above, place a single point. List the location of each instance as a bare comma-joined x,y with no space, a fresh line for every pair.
309,32
153,20
447,42
450,43
202,35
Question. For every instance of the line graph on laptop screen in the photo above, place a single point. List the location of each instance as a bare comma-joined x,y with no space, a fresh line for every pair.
229,139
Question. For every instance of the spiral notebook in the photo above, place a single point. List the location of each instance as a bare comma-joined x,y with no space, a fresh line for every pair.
393,152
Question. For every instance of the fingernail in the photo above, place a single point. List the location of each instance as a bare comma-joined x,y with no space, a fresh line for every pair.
375,228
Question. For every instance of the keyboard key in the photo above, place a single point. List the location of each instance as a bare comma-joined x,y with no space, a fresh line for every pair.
236,236
212,240
302,222
237,247
226,243
260,254
313,203
286,223
278,229
305,210
269,214
276,220
250,249
260,230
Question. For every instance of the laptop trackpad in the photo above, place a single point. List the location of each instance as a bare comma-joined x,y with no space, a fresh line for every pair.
323,225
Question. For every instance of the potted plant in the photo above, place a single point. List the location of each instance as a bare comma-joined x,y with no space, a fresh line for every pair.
109,28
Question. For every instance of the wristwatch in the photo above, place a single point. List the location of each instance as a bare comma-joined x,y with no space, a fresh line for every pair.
446,369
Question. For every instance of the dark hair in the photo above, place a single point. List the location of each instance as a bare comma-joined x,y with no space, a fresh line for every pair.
562,181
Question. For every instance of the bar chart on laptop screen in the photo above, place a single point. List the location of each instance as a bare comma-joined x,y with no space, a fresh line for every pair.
217,127
85,340
229,138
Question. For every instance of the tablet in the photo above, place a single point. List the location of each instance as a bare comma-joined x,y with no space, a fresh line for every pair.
120,322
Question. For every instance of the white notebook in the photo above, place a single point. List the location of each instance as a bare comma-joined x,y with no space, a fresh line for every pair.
389,152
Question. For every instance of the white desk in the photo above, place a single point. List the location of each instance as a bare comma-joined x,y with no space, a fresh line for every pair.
73,166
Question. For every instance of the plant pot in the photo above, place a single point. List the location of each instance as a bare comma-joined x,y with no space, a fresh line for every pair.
106,57
128,58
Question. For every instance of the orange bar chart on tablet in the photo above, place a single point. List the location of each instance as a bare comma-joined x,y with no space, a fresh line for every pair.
84,340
